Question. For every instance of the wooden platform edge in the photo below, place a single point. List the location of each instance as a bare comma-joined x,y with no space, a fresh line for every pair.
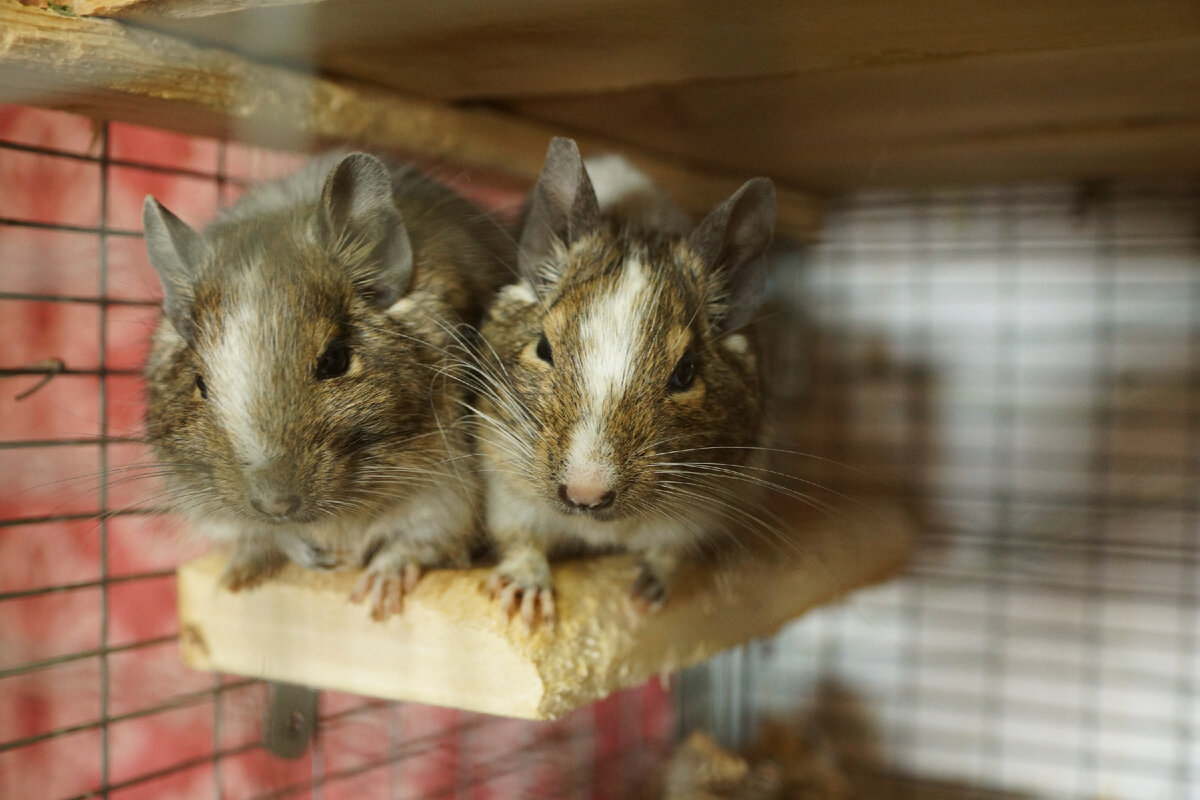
452,647
111,70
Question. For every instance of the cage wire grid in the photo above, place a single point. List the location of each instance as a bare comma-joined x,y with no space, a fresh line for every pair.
1019,364
1022,363
95,701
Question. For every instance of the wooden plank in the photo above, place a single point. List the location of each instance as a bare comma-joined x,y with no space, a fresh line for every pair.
1117,152
109,70
452,646
524,48
905,124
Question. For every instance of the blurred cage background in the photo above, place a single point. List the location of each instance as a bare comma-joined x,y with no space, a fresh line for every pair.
1018,365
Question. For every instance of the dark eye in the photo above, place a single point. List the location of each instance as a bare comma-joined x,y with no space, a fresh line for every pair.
334,361
543,350
201,387
684,373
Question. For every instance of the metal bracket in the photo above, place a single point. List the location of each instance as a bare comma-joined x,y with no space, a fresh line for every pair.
290,720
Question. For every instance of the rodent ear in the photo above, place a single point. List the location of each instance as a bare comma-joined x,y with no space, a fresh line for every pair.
176,252
357,210
562,208
731,242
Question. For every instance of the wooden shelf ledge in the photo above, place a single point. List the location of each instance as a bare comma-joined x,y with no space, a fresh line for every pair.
452,646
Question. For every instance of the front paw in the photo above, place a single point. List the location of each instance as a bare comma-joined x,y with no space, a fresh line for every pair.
649,591
247,569
322,558
390,575
311,555
523,582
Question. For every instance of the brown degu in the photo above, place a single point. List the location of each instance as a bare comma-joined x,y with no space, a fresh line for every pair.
303,398
621,392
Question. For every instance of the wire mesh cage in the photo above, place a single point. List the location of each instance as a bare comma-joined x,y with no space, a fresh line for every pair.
1025,360
1019,363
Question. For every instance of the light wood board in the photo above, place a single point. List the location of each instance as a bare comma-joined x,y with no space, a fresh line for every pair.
453,647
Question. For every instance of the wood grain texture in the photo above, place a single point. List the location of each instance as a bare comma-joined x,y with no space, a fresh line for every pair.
453,647
108,70
523,48
1115,111
831,97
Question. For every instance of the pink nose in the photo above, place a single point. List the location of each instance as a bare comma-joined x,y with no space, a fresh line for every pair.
275,504
586,494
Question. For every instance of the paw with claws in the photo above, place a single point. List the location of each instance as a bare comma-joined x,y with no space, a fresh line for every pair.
392,572
523,583
656,574
385,587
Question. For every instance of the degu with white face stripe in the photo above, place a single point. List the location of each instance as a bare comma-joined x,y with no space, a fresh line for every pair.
617,386
301,399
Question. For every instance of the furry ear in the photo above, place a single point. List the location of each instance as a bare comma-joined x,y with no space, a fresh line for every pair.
562,208
731,242
357,209
176,252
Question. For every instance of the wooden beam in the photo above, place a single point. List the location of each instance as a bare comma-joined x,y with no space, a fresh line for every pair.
526,48
109,70
452,646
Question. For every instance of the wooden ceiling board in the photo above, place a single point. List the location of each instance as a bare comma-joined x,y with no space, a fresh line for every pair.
833,131
825,96
483,49
1133,151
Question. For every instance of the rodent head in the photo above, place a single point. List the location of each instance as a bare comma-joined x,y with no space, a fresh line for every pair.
620,355
282,385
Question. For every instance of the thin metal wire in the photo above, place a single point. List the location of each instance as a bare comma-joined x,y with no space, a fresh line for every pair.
58,226
11,372
22,444
1004,468
72,587
179,766
69,298
125,512
105,159
102,360
177,702
79,655
497,766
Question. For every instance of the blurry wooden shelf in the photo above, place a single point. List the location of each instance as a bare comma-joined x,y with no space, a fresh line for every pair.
831,97
823,98
115,71
453,647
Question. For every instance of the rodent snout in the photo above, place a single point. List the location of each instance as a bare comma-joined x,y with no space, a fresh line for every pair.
276,505
270,496
587,496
